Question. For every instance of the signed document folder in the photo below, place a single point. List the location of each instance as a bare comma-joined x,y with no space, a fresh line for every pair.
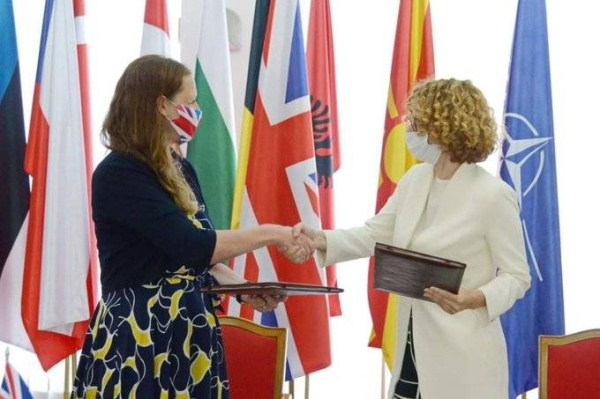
272,288
408,273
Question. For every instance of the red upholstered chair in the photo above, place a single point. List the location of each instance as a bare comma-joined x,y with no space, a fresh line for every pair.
255,356
569,365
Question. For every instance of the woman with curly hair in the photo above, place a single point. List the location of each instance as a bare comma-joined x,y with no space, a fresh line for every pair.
448,206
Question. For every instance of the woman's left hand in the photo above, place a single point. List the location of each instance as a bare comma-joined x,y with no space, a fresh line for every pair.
454,303
263,303
298,248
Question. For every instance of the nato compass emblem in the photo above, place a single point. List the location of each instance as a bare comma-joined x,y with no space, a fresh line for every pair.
524,160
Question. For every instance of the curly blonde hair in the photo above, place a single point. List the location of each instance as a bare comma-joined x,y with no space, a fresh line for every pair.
134,126
456,116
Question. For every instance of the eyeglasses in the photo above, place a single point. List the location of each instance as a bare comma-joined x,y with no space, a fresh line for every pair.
410,125
190,104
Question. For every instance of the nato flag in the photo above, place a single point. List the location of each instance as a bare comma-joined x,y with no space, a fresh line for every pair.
528,165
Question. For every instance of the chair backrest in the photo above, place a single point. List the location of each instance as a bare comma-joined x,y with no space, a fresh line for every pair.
255,356
569,365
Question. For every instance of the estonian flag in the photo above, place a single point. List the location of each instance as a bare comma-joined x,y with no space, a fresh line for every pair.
14,185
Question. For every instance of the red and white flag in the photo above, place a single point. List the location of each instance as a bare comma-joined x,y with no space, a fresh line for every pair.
155,36
321,80
59,281
412,61
277,179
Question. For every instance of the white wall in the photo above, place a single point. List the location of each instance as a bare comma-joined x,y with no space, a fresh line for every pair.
472,40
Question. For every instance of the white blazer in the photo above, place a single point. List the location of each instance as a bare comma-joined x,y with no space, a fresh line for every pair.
478,223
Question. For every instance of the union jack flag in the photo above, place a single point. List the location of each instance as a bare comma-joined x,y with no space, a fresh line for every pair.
13,385
277,178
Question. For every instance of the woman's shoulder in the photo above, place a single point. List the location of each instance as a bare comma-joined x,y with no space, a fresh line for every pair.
492,186
488,178
121,161
120,166
417,172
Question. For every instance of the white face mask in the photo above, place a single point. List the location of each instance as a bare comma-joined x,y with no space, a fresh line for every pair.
421,149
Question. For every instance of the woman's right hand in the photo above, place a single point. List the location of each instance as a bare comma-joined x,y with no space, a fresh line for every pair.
317,237
305,241
297,248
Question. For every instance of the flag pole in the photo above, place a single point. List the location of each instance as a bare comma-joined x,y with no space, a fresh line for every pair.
382,388
66,382
73,366
70,366
306,386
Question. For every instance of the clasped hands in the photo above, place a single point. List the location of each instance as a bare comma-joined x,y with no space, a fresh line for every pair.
296,243
301,244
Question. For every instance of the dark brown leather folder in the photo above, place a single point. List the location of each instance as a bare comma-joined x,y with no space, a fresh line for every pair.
408,273
272,288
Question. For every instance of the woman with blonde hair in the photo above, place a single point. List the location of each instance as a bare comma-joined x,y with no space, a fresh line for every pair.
448,206
154,334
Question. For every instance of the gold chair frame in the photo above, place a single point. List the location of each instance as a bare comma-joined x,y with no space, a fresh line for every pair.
279,333
545,341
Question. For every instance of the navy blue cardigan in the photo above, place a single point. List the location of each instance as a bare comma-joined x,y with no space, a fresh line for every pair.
140,230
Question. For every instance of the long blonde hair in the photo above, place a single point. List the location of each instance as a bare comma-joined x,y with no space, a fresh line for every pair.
134,125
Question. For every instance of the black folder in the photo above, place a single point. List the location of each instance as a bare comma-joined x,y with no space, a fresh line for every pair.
408,273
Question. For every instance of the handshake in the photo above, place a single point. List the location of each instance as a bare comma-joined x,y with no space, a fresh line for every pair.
298,243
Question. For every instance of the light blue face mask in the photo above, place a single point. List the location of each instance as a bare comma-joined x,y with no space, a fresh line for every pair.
421,149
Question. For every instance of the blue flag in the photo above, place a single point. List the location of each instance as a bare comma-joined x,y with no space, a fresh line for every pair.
14,184
528,165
